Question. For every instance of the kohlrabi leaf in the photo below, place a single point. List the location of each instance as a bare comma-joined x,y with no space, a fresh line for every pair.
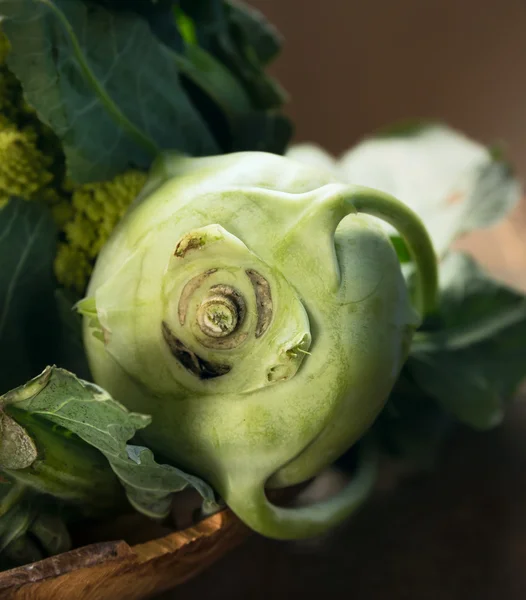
88,411
246,53
454,184
104,83
21,551
30,527
17,448
214,79
16,513
71,354
80,407
267,132
255,30
242,39
66,469
227,47
474,362
27,250
473,306
51,532
150,486
412,427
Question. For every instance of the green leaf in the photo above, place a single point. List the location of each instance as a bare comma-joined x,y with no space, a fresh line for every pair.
412,427
253,28
16,514
27,250
473,306
404,128
243,41
214,79
91,414
25,519
82,408
266,132
71,353
66,469
454,184
104,83
236,50
51,532
473,364
150,486
21,551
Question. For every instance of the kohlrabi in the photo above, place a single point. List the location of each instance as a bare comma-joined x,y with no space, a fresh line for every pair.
253,307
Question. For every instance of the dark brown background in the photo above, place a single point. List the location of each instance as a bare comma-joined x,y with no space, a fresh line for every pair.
353,65
460,532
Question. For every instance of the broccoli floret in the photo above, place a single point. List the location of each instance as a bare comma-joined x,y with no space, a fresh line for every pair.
24,170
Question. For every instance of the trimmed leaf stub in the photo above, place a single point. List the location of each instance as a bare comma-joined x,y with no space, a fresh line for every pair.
17,449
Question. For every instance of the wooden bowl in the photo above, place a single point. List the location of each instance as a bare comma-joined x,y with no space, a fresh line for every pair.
111,570
114,569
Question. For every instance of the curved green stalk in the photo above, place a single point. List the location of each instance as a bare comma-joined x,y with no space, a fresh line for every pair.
252,506
13,496
411,228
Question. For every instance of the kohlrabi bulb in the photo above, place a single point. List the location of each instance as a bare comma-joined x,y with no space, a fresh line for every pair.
252,307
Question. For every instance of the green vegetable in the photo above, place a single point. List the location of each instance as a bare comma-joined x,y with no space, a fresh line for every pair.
259,314
250,319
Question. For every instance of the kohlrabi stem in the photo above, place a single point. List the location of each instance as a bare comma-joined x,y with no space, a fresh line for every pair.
251,504
414,233
13,496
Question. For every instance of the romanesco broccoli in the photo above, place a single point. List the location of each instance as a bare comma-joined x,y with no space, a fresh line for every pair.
32,167
97,207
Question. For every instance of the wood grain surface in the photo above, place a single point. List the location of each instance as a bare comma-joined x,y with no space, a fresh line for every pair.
115,571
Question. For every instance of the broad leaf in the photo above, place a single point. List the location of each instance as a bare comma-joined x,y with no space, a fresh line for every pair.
27,250
412,427
473,306
26,519
80,407
150,486
253,29
214,79
16,513
71,353
104,83
473,364
51,532
454,184
236,49
88,411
